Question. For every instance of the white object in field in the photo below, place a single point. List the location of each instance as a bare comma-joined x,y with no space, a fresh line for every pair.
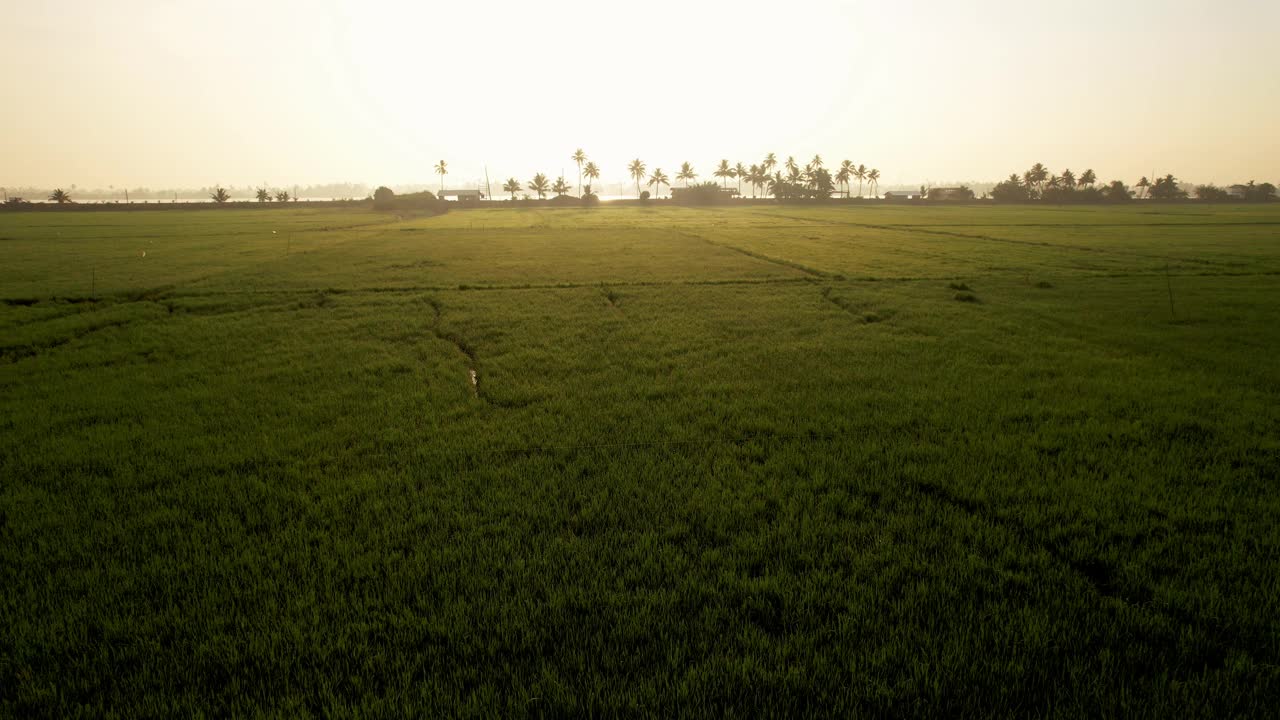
144,253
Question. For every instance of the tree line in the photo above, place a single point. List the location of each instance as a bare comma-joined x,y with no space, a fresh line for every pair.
1039,184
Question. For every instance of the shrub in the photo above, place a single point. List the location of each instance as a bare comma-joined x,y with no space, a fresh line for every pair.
644,195
384,198
590,200
707,193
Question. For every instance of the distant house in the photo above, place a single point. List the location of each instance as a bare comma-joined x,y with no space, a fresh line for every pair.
677,192
902,195
461,195
950,193
1238,192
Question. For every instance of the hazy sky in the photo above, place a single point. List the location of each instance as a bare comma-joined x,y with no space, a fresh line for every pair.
173,92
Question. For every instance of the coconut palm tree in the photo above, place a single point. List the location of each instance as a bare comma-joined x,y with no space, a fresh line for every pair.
860,172
220,195
1088,178
512,186
658,179
1143,184
724,172
59,196
770,162
561,187
263,195
579,157
282,196
1068,178
539,185
591,172
793,170
1039,175
442,169
844,174
816,162
739,172
874,176
636,168
686,174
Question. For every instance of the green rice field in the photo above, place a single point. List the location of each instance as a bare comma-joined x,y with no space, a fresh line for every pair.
755,461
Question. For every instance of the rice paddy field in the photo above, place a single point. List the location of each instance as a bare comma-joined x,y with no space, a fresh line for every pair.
786,461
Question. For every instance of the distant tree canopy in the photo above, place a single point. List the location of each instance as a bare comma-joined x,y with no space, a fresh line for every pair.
1038,183
383,198
1166,188
220,195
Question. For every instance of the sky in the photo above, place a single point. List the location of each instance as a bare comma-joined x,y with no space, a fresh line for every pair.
163,93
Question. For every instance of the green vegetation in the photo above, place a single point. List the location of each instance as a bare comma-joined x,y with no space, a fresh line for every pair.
641,461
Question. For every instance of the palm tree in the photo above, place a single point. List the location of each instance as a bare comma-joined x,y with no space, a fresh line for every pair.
442,169
282,196
59,196
1039,175
844,174
770,162
263,195
539,185
740,172
686,174
816,162
658,179
1143,184
592,173
1068,178
874,176
636,168
860,172
579,157
724,172
220,195
793,170
1088,178
512,186
561,187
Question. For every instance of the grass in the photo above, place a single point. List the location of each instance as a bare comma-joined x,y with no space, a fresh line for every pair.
733,461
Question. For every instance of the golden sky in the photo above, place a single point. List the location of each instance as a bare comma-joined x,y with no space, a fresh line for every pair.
171,92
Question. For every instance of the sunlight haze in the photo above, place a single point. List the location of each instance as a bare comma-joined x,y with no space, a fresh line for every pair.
153,93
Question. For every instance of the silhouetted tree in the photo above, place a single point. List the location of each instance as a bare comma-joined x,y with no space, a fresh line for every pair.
1087,178
1116,191
1211,193
1166,188
636,168
220,195
60,196
264,196
561,187
1068,179
579,157
724,172
539,184
658,179
739,172
860,172
1011,190
512,186
873,176
591,172
793,170
442,169
282,196
1142,186
686,174
844,175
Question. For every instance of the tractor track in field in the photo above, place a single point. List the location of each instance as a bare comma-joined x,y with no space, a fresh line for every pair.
781,262
926,230
1105,579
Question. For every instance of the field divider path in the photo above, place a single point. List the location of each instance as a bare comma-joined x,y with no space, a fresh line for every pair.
811,271
931,230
